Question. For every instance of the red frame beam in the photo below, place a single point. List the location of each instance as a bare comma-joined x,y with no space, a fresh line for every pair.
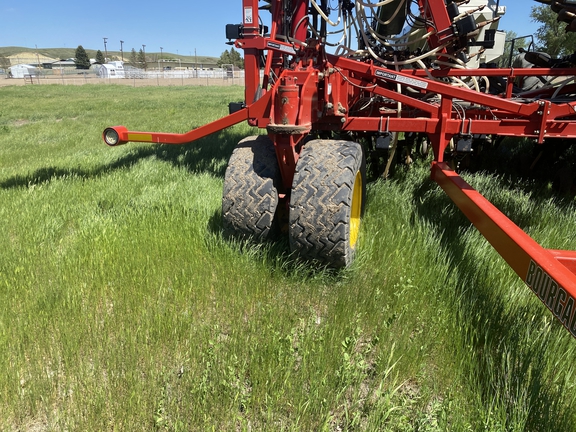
251,30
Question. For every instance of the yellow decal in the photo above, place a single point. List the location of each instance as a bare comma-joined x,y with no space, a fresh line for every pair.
140,137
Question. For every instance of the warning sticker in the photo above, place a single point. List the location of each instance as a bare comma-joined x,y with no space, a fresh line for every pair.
412,82
248,16
280,47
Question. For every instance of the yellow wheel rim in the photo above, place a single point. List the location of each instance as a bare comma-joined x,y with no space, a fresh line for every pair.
356,210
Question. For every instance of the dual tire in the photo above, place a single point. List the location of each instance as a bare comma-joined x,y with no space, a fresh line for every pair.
328,194
326,200
250,196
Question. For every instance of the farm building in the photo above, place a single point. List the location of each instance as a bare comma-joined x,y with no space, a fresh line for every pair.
21,70
61,64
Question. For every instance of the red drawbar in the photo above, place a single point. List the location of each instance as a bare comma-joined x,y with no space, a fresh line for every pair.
550,274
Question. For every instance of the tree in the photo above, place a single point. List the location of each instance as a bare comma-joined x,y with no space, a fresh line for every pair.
231,57
504,60
142,59
224,58
4,62
100,57
236,59
133,61
551,35
81,59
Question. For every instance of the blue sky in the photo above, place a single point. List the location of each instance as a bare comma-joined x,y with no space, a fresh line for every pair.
177,26
517,17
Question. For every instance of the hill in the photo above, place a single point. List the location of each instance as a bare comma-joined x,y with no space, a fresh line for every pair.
65,53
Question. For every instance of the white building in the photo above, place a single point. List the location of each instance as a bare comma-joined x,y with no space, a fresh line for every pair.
21,70
113,69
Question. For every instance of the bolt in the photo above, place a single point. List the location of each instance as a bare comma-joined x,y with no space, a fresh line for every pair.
343,119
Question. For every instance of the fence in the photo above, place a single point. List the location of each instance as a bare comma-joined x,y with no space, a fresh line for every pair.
135,77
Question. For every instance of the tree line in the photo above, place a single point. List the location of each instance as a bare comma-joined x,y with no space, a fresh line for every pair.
82,60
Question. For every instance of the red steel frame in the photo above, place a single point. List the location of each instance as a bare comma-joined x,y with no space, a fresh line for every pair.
317,93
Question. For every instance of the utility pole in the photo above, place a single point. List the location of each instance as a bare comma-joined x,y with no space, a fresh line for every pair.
161,53
105,50
121,50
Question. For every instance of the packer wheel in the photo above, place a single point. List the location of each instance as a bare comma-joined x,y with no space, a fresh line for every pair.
327,201
250,195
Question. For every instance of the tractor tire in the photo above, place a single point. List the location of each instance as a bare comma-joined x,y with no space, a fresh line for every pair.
250,195
327,201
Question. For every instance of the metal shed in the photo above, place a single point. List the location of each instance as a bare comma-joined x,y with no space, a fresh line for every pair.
21,70
111,70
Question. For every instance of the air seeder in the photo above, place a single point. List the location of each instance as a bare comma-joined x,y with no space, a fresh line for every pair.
404,75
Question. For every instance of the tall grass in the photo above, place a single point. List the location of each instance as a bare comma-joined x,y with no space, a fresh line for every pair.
122,307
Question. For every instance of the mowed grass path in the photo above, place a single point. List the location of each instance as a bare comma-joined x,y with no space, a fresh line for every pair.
122,307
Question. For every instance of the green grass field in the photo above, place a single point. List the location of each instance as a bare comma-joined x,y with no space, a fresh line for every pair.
122,307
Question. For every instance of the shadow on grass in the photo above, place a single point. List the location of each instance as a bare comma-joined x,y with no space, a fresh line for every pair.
275,253
207,155
511,352
548,169
539,195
